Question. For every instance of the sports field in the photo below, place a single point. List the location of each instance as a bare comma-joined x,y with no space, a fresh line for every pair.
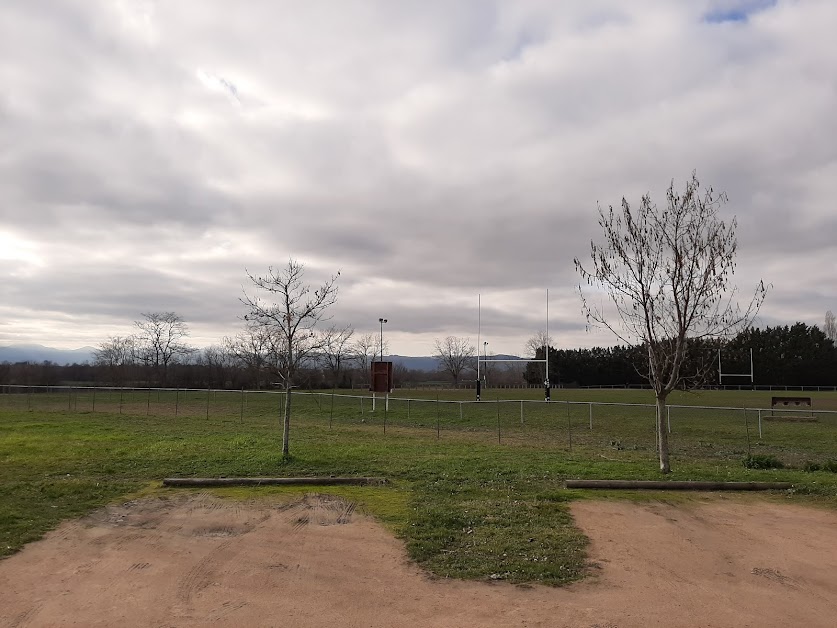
476,489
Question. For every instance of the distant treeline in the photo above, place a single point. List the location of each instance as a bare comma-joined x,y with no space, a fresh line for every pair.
200,372
796,355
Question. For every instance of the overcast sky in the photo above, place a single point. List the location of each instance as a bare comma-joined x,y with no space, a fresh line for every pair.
431,151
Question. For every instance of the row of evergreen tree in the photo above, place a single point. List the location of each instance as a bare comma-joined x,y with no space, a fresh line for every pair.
790,355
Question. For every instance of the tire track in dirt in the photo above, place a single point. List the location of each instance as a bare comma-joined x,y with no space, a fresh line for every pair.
721,563
317,509
227,608
201,575
24,618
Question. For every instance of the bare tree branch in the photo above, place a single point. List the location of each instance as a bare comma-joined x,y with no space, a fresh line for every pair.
666,274
289,315
830,328
455,355
159,342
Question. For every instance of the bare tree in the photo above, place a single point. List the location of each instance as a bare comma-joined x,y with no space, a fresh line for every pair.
667,275
219,362
455,354
536,343
250,348
160,341
366,348
116,355
830,329
337,350
290,315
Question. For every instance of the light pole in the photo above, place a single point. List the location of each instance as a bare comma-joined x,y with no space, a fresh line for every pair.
382,321
485,364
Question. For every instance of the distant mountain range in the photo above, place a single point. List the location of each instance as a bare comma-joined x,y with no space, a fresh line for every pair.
40,353
429,363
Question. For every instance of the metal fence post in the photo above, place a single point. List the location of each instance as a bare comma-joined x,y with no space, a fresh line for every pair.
668,418
121,394
591,416
521,412
438,435
94,400
759,424
747,427
241,410
208,392
331,411
498,421
569,427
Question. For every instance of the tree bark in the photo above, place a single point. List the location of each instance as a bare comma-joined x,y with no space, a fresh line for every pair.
662,434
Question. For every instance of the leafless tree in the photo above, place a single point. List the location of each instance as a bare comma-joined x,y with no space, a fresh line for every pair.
512,373
337,350
537,343
830,329
250,348
160,341
116,355
219,362
366,348
455,355
290,315
667,275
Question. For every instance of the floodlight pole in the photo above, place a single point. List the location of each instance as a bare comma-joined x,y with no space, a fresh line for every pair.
546,338
479,331
485,355
546,350
382,321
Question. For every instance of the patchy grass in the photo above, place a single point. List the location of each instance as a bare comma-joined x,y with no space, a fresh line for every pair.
465,505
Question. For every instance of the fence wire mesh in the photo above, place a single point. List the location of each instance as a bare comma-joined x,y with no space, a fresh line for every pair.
698,432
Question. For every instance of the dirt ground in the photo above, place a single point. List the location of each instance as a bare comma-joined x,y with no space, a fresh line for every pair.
195,560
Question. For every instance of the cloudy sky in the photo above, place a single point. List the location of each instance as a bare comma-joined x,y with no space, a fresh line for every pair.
432,151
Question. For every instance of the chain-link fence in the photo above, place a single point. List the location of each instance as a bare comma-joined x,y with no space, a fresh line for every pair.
607,430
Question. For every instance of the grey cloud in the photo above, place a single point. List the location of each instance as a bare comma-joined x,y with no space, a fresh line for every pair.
431,151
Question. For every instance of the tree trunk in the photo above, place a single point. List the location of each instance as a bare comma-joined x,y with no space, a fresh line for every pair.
286,428
662,434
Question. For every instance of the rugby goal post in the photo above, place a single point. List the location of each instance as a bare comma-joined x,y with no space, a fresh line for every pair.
485,358
722,375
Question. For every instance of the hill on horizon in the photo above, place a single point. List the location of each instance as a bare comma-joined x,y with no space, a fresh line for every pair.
39,353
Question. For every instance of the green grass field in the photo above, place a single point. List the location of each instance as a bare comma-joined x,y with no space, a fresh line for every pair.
469,499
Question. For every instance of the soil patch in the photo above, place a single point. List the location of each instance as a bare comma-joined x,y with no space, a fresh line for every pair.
195,560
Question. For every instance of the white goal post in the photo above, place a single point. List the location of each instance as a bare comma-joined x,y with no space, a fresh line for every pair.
722,375
484,359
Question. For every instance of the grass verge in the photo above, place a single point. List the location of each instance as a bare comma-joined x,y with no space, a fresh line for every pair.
465,508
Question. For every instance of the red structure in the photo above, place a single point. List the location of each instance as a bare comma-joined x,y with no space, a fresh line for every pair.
381,379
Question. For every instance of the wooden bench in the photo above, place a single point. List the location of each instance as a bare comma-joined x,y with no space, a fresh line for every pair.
791,403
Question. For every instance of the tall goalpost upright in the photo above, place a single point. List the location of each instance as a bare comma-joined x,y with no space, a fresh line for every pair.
485,359
722,375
